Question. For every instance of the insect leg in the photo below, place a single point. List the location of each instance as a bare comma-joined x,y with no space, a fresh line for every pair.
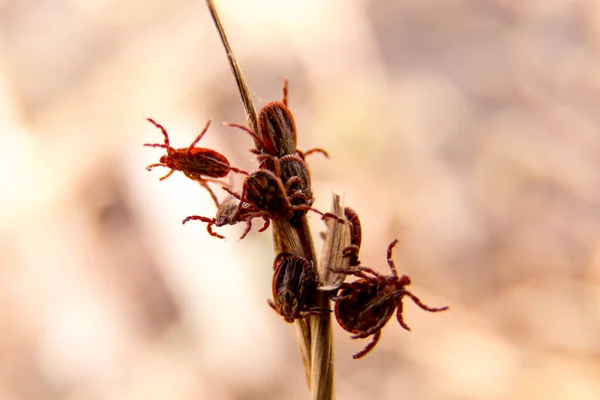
389,257
368,347
423,306
400,317
195,142
163,130
312,151
209,221
167,175
285,92
149,167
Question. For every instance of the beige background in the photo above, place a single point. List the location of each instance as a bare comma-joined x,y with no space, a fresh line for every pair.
469,129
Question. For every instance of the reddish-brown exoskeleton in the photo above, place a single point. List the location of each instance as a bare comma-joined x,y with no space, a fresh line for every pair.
295,176
197,163
353,249
294,285
277,134
364,306
264,191
227,215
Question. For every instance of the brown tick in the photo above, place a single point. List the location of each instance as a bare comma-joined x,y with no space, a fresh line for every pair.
227,215
294,285
295,176
264,191
197,163
277,135
364,306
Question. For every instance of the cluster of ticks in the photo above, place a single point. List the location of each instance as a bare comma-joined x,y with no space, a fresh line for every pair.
281,189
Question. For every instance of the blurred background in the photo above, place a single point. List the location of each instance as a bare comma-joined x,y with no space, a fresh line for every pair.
469,129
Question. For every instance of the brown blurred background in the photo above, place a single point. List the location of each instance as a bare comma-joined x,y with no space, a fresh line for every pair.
469,129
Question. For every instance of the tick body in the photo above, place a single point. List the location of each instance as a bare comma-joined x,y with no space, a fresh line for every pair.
197,163
277,135
294,285
364,306
277,129
264,191
295,176
227,215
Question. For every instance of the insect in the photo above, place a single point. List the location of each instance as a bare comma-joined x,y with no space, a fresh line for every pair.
197,163
227,215
294,285
277,134
364,306
264,191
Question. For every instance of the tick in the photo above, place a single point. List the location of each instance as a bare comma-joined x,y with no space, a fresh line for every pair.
277,134
197,163
294,285
364,306
295,176
264,191
227,215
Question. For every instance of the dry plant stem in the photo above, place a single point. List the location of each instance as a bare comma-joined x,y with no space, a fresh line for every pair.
315,332
236,71
338,237
296,240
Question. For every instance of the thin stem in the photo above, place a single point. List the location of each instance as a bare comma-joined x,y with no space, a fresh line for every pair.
314,333
236,71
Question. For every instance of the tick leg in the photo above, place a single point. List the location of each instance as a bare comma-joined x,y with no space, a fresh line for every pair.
149,167
326,215
323,215
209,221
400,317
330,289
272,305
256,138
276,163
368,347
322,311
167,175
236,216
265,225
315,150
389,257
248,227
162,146
162,129
423,306
358,271
351,271
293,180
249,218
285,92
195,142
341,286
231,192
212,194
239,171
299,195
369,271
